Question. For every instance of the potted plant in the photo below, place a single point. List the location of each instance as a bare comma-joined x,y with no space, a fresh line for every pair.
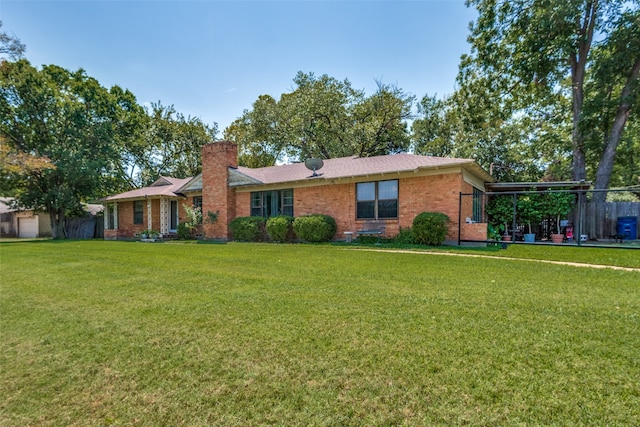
557,205
529,211
500,212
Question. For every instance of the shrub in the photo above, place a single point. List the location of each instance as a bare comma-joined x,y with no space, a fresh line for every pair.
404,236
183,231
368,239
248,229
315,228
280,228
430,228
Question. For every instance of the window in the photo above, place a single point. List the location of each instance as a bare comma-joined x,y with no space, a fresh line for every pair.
377,200
272,203
138,212
112,218
197,202
477,205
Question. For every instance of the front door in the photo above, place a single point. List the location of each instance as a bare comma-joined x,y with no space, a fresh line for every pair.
173,216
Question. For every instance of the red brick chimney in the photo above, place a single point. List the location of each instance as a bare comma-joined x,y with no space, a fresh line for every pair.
217,158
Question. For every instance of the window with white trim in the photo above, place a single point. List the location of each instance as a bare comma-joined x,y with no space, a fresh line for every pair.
112,217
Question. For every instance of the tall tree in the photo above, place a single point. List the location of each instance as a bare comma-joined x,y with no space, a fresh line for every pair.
615,85
322,117
68,118
258,137
380,122
535,46
432,132
17,167
170,145
11,46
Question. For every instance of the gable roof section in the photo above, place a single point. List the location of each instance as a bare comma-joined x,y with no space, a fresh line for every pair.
352,167
163,180
193,185
165,186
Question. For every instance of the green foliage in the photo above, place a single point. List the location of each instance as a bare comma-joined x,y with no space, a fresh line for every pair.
193,225
66,117
500,211
171,145
249,229
212,217
150,233
280,229
194,214
561,71
405,236
194,219
557,205
622,196
529,208
184,231
369,239
325,118
315,228
495,232
433,129
430,228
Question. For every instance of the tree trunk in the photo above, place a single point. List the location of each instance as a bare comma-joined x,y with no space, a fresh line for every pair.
605,167
579,170
578,61
57,218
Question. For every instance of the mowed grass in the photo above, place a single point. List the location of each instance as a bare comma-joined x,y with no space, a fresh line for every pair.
113,333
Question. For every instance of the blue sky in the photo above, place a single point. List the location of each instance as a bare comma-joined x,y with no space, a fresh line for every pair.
212,59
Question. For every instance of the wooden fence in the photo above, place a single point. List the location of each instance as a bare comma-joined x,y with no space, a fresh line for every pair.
84,228
601,219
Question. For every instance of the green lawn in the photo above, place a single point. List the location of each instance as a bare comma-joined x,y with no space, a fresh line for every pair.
114,333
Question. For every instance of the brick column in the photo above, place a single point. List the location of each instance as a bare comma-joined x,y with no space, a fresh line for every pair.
217,158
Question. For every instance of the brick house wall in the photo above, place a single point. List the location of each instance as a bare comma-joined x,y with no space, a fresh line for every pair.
470,231
433,193
127,229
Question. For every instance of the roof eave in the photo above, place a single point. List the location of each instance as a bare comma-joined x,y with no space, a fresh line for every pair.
143,197
321,180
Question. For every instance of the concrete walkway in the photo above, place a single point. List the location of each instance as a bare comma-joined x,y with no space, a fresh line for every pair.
572,264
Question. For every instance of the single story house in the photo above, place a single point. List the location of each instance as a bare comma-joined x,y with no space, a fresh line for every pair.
389,190
22,223
156,207
28,223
